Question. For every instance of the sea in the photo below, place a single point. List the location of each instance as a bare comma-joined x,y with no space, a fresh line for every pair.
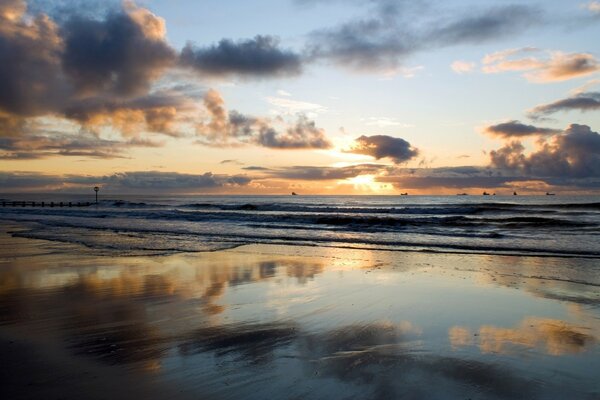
563,226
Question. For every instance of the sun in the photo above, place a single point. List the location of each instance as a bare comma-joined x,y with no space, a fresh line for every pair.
367,183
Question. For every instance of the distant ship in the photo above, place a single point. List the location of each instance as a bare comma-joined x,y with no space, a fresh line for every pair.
403,194
462,194
294,194
514,193
549,194
486,194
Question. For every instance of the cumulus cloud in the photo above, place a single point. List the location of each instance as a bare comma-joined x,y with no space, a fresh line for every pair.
539,66
574,153
260,56
589,101
396,31
564,159
121,54
515,129
146,181
382,146
232,128
87,69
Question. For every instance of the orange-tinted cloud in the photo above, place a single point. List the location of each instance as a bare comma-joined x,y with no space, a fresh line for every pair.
553,66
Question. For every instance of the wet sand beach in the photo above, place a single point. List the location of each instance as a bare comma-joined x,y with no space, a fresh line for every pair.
271,321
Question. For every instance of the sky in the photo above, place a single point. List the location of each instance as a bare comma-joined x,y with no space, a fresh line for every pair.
309,96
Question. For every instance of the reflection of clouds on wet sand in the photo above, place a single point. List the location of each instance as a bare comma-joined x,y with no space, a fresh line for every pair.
133,310
555,337
360,324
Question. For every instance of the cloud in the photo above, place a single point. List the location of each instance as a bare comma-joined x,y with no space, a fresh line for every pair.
383,146
143,181
304,134
313,173
512,129
234,162
457,178
589,101
32,82
259,57
574,153
158,112
233,128
395,31
554,66
121,54
94,71
37,146
463,67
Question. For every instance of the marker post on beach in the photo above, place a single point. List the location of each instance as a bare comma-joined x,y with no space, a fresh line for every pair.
96,189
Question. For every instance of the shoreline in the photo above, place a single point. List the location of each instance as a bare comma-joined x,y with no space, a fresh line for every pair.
410,247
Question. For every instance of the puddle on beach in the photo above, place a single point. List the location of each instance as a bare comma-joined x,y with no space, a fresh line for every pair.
262,322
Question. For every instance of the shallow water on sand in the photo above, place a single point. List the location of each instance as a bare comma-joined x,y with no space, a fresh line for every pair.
265,321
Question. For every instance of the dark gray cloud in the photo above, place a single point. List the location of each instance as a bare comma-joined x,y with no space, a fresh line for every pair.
260,56
31,70
14,181
172,180
395,31
473,27
515,129
85,68
37,146
146,181
589,101
313,173
575,153
122,53
459,178
233,129
382,146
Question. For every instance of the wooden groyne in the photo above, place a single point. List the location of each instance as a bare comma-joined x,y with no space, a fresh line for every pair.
46,204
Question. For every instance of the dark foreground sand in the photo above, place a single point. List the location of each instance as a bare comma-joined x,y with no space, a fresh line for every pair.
262,322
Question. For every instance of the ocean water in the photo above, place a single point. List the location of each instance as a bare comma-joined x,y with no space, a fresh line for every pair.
567,226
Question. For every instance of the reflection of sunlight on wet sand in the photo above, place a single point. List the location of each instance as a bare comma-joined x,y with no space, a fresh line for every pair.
554,336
